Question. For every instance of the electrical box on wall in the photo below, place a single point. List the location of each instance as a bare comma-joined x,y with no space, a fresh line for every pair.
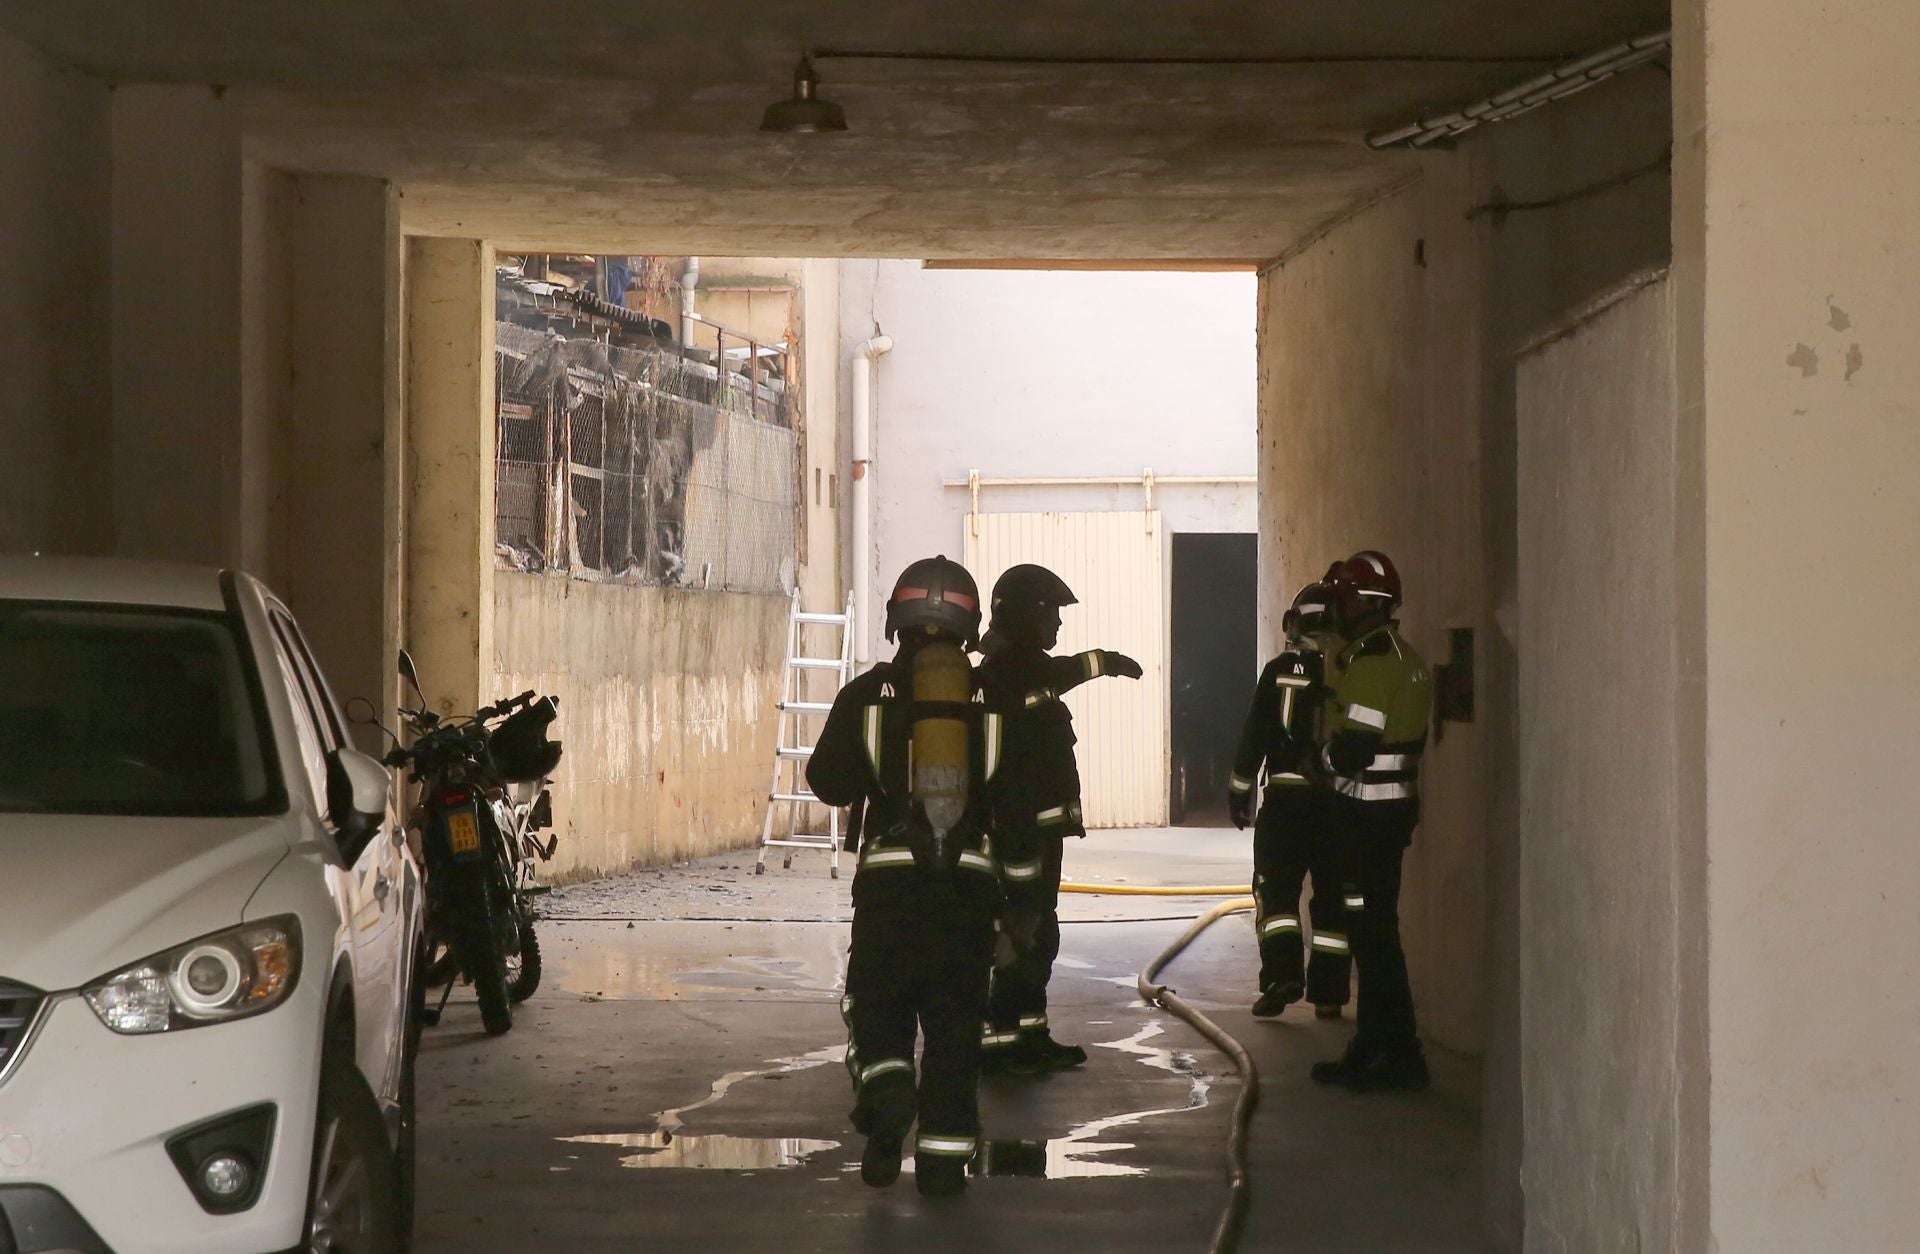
1453,682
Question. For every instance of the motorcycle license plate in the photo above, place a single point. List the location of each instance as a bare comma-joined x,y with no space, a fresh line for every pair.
463,831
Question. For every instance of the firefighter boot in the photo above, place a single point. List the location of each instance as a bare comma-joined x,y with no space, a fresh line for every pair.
937,1176
1053,1055
1277,998
1341,1070
888,1114
1403,1069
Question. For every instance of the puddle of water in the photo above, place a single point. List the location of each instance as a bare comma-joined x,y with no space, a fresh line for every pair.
668,1146
1049,1160
1079,1154
670,1121
710,1153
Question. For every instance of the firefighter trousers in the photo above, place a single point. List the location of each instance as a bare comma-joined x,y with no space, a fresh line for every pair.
1017,1006
1381,832
1297,834
922,950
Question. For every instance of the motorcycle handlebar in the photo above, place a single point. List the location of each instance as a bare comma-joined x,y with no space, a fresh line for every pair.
507,705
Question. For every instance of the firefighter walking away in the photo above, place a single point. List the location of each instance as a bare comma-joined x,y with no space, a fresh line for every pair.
914,742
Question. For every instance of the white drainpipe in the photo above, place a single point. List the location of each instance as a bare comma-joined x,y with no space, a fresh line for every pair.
689,282
865,358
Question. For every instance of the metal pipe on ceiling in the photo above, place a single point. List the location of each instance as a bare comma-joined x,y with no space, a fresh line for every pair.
1556,84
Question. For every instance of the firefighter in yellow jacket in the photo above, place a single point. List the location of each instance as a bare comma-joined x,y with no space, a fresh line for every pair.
1375,732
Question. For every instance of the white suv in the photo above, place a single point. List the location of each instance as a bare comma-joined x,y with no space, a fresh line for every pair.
209,925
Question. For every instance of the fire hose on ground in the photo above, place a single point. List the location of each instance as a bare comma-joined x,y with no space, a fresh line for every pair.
1227,1231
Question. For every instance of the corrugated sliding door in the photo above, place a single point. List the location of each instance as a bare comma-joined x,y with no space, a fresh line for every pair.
1114,563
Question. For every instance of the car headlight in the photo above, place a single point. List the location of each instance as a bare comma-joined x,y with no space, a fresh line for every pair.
228,975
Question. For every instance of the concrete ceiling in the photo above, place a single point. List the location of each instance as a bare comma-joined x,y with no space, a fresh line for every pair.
632,127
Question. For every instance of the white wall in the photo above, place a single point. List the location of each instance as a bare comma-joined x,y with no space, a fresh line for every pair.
1599,783
1022,373
1797,168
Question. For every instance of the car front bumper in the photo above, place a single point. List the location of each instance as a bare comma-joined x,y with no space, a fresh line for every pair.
87,1113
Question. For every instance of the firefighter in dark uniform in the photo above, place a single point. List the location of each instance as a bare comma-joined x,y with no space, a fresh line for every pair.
1376,731
914,741
1296,832
1037,805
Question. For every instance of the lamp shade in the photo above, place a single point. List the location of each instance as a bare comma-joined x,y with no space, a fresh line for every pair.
804,113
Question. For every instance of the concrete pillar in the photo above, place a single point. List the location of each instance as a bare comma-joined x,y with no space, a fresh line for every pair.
344,443
1797,165
450,452
177,448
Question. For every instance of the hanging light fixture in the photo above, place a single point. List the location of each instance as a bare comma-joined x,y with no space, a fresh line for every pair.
804,113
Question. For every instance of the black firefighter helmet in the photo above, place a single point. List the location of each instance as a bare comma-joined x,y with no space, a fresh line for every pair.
934,594
1028,586
1312,612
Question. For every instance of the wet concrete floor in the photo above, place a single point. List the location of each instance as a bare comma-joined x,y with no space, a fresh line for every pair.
677,1085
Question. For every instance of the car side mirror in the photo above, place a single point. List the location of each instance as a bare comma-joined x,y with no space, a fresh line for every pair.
358,789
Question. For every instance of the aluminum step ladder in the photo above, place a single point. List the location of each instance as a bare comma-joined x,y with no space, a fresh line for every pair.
793,748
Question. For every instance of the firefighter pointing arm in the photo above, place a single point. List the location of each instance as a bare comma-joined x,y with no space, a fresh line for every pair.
1036,805
914,739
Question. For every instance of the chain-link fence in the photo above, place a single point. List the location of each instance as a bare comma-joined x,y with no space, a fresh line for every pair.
643,465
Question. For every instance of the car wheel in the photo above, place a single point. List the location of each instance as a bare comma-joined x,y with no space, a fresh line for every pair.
353,1204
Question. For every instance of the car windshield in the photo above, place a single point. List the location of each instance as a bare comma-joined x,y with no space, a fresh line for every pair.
129,710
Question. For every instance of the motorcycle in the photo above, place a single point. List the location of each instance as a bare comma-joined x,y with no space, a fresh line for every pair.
480,801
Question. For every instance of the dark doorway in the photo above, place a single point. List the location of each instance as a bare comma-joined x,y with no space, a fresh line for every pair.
1215,643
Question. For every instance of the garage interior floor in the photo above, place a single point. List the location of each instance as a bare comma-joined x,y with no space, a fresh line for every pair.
676,1084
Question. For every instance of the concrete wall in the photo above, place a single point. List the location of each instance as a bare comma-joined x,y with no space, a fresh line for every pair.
179,443
55,397
1021,373
1388,420
1798,166
1599,781
666,712
267,206
1367,392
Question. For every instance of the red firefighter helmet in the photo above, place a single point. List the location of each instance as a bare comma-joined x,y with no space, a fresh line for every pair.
1369,576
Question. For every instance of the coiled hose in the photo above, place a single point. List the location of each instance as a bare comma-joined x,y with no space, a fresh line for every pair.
1227,1231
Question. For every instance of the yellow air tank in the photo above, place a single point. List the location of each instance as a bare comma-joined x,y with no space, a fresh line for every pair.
941,673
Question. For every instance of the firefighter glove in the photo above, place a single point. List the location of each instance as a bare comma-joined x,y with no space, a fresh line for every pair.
1112,663
1240,808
